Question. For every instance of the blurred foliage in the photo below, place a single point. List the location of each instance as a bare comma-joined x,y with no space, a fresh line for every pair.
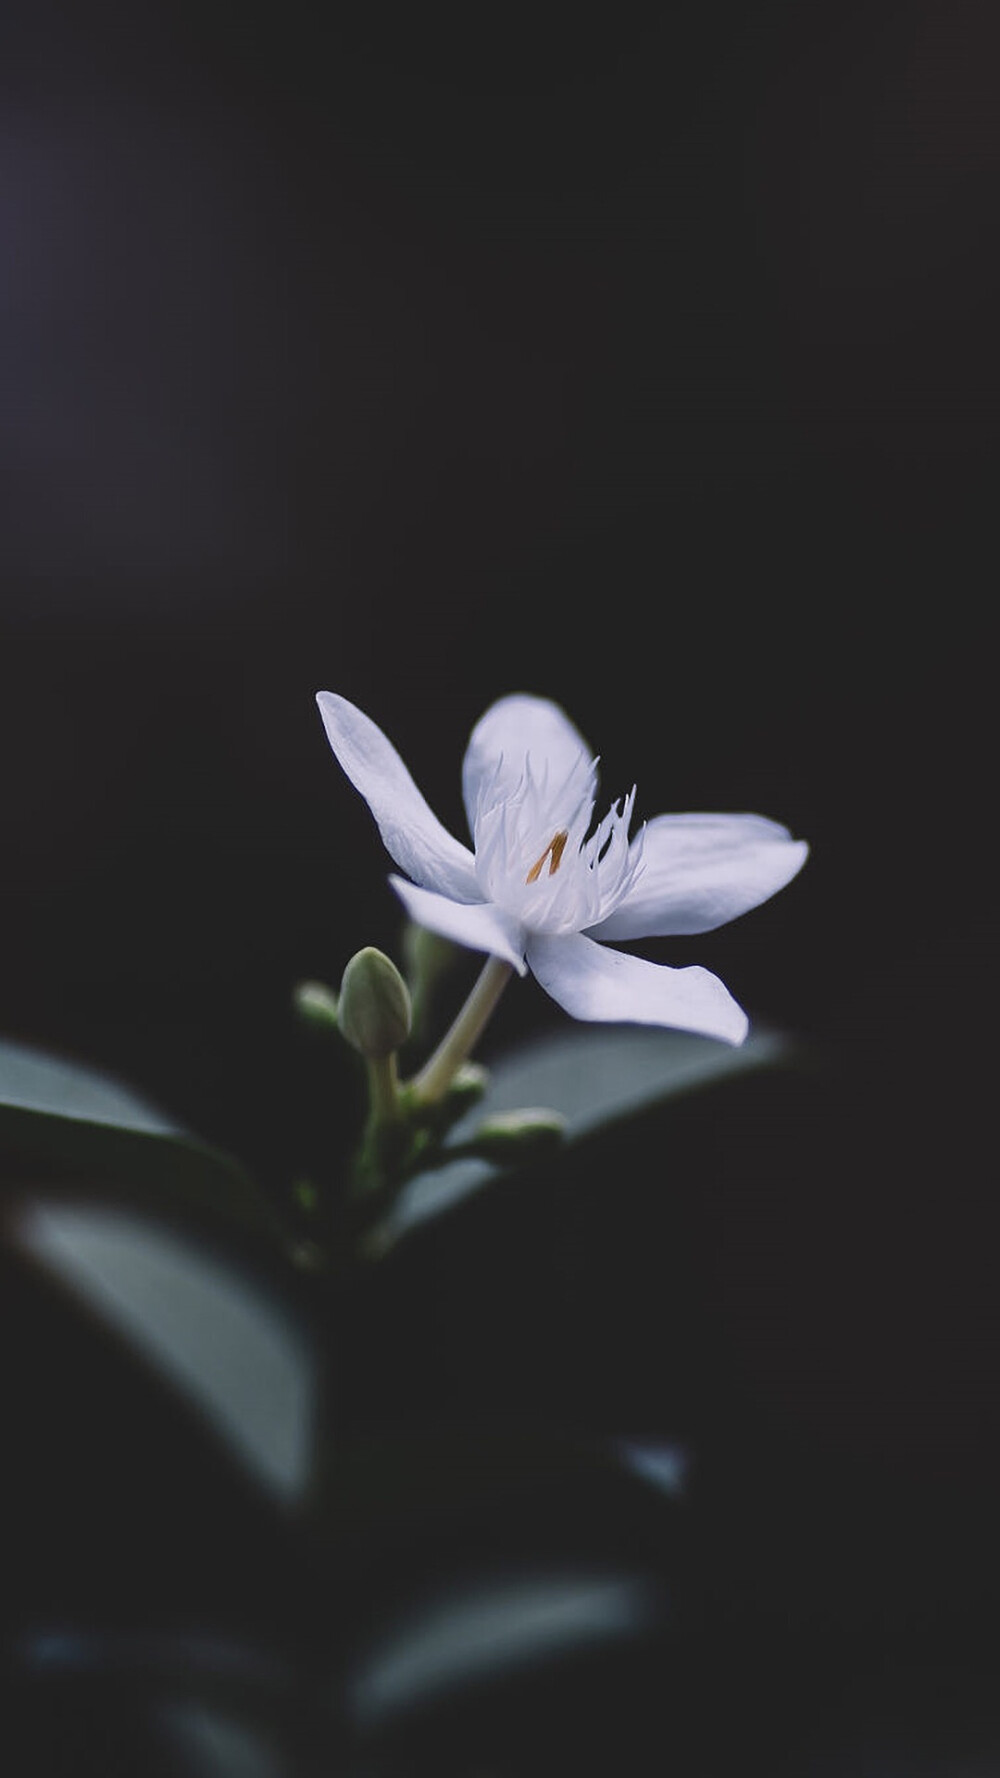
494,1502
72,1121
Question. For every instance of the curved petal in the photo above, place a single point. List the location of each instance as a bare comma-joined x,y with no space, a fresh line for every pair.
481,925
698,871
502,740
411,833
593,983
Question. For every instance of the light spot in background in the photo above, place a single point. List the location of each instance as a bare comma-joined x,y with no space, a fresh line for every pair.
665,1466
145,355
217,1336
201,1657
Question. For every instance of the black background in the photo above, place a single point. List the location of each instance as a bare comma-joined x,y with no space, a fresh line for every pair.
648,363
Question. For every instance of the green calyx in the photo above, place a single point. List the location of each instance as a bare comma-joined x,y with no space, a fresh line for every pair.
517,1135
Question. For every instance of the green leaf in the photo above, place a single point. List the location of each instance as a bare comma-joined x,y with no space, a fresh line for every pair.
517,1530
82,1122
227,1340
486,1627
593,1077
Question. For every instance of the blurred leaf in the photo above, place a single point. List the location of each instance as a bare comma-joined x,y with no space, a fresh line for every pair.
95,1701
466,1552
488,1627
229,1344
592,1076
76,1118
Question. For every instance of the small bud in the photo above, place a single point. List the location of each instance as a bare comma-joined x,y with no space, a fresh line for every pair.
374,1011
316,1005
469,1084
518,1135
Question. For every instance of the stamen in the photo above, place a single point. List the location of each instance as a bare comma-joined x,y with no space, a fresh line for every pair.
553,852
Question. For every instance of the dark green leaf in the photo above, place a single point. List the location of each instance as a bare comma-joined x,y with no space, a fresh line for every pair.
78,1121
487,1628
225,1339
593,1076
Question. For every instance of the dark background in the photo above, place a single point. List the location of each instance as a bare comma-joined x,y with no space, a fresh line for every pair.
649,363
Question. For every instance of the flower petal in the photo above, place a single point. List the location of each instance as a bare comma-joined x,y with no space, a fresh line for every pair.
593,983
502,740
481,925
411,833
698,871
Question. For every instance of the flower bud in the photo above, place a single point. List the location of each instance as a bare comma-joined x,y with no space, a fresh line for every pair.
374,1010
469,1084
518,1135
316,1005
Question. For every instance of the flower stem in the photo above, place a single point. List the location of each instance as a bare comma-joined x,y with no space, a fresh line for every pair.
385,1136
383,1089
437,1073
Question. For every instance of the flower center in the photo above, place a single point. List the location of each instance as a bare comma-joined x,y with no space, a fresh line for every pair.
553,852
580,875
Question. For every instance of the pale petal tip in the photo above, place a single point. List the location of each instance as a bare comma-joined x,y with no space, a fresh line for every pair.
330,706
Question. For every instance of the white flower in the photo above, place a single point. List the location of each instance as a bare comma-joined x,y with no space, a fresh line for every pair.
544,884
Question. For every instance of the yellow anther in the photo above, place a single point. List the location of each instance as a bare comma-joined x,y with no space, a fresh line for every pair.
553,852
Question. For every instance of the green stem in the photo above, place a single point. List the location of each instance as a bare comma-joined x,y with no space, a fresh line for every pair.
383,1090
440,1069
385,1132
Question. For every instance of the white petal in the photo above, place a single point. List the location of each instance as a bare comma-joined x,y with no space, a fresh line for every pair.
504,737
593,983
480,925
698,871
411,833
